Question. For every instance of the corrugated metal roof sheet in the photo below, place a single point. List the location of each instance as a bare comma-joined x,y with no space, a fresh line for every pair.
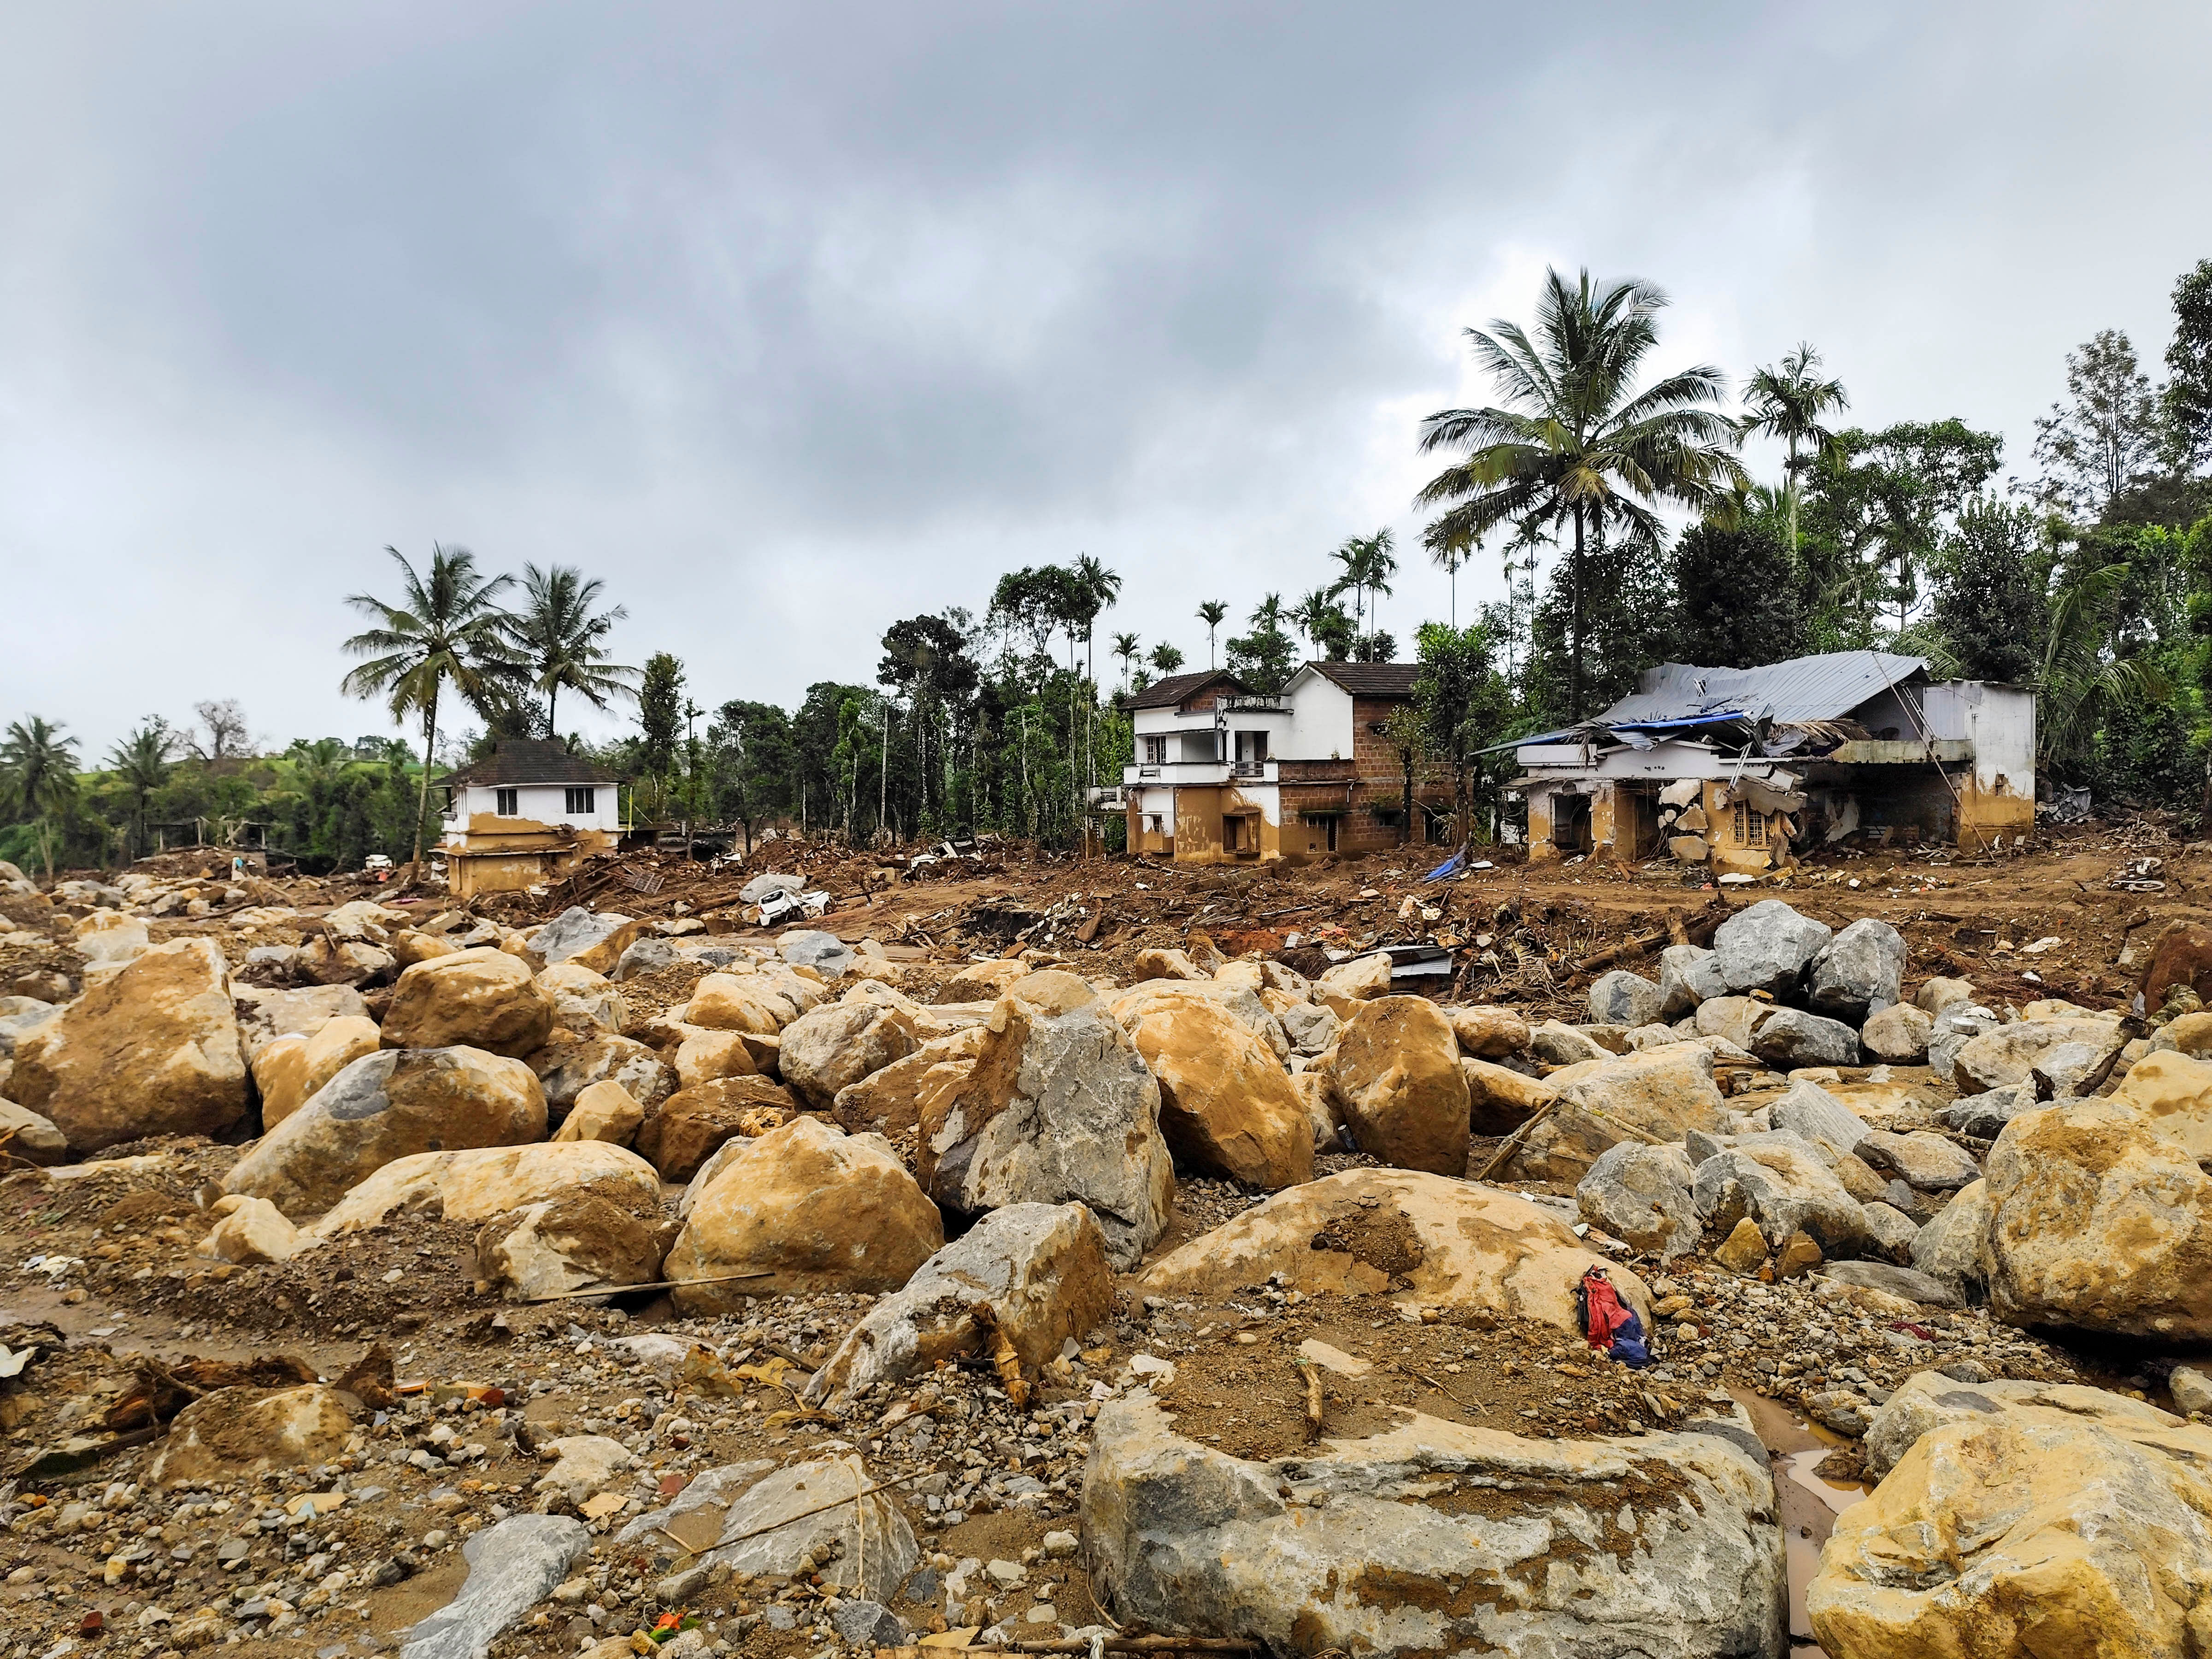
1823,688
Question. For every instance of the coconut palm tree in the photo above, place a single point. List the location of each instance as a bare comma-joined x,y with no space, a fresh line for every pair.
1573,442
1268,615
1126,648
1213,613
558,635
1787,403
37,775
446,629
1096,588
141,762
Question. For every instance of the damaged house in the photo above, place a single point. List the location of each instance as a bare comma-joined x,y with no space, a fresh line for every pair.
1742,769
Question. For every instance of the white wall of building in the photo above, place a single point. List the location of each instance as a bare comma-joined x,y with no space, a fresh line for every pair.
539,803
1321,720
2000,719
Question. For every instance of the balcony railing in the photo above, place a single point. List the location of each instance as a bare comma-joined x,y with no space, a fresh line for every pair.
1254,704
1201,772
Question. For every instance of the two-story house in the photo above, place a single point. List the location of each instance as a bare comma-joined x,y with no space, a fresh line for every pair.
525,813
1224,775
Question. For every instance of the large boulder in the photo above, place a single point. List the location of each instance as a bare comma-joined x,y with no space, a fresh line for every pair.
1239,1001
692,1124
605,1111
1500,1099
573,932
2173,1092
784,1524
1768,946
1897,1036
2009,1054
154,1051
476,998
1811,1113
1058,1106
583,1000
892,1102
1641,1195
1485,1033
1789,1038
484,1182
2023,1520
1397,1077
264,1015
1348,984
571,1062
239,1433
1037,1273
1430,1241
1784,1185
1688,976
574,1242
2099,1223
1860,972
809,1209
839,1043
1951,1248
514,1564
1227,1105
1921,1159
30,1137
703,1056
753,1002
1622,998
1663,1092
289,1070
385,1106
1436,1538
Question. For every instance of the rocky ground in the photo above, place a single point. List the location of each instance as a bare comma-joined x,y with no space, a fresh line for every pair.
1064,1249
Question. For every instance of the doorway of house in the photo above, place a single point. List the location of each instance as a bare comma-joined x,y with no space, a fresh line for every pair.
1571,823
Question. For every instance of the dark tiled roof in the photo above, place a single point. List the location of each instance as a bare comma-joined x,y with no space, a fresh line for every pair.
1372,679
1178,689
528,760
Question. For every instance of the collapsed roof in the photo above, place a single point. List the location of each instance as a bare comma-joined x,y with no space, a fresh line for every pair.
1776,704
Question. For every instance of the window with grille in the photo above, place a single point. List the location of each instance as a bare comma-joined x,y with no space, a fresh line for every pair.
506,803
583,801
1750,826
1156,751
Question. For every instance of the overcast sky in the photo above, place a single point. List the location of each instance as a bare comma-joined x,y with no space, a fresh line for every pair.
791,321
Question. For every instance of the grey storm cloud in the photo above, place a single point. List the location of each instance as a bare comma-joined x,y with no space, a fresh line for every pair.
791,321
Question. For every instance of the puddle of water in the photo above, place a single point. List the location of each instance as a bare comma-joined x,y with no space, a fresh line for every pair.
1807,1505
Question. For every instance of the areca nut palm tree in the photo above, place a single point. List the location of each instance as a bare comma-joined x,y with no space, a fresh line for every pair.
1268,615
1369,563
1312,616
1099,588
1165,657
1573,442
558,635
1213,613
1125,647
447,629
1787,403
38,772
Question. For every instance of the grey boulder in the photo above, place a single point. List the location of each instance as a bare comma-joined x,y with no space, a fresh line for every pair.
1676,1550
1812,1112
644,956
1621,998
810,947
1785,1186
575,931
511,1568
1641,1195
1913,1286
1925,1162
1767,946
1789,1038
863,1544
1688,976
1860,972
1897,1036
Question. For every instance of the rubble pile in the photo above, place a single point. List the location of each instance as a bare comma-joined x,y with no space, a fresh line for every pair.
450,1280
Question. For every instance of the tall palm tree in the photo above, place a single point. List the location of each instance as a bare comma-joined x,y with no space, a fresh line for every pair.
1787,403
1572,441
1213,613
1369,563
1314,616
1268,615
1126,648
447,629
38,772
140,762
557,634
1096,587
1165,657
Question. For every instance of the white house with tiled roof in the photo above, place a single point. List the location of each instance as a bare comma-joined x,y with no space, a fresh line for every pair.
525,814
1224,775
